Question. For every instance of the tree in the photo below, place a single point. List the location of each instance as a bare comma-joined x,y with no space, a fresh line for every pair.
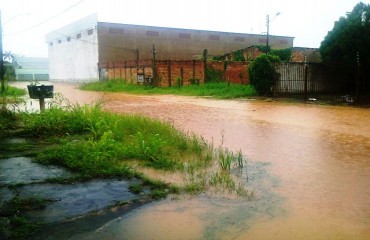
350,36
261,73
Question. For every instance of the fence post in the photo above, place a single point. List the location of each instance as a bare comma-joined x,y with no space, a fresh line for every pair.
169,73
182,76
305,81
205,56
154,81
358,78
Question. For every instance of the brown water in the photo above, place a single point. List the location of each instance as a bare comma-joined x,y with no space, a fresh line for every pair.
319,171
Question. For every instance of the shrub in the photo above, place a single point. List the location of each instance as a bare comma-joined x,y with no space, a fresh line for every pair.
283,54
213,75
261,73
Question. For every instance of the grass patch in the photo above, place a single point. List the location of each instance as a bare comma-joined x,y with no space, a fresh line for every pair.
12,224
95,143
11,91
220,90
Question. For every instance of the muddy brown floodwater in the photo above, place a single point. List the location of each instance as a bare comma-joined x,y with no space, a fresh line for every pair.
320,154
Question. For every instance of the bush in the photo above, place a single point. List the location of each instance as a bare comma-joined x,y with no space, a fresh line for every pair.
261,73
213,75
283,54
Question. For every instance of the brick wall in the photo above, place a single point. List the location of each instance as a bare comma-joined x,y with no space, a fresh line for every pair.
170,72
237,72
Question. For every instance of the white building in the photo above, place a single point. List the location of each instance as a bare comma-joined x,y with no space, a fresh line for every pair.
32,69
73,51
76,49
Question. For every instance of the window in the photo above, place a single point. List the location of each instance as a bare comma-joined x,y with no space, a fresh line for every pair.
78,36
262,40
283,42
51,44
90,32
116,30
59,41
152,33
214,37
184,35
68,39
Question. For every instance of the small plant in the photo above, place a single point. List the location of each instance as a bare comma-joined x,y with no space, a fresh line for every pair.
136,188
261,73
179,82
223,180
225,158
194,81
239,159
158,194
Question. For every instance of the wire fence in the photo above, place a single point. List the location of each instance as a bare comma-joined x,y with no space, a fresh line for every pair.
319,82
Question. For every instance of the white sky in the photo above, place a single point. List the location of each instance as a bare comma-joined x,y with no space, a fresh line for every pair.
307,21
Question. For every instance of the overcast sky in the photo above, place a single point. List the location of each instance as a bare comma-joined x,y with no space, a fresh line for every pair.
25,22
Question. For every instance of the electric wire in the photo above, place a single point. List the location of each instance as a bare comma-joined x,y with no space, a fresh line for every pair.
47,20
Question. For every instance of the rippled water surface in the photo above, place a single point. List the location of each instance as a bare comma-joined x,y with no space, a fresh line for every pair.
319,155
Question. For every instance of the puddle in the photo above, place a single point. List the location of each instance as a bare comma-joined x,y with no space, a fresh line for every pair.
66,200
208,216
76,199
23,170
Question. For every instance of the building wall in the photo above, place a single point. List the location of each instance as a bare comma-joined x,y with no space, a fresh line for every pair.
73,52
300,54
118,42
32,69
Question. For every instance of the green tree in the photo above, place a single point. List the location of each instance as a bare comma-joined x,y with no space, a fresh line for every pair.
261,73
349,36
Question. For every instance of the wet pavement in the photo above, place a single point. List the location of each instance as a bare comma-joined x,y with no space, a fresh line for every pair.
66,201
319,154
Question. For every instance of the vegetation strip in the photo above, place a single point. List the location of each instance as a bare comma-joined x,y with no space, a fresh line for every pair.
96,144
220,90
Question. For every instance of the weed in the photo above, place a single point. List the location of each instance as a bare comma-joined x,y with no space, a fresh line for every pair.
242,192
12,224
223,180
225,158
194,188
136,188
240,160
158,194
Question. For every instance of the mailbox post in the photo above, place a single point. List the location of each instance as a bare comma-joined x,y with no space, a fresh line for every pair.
41,92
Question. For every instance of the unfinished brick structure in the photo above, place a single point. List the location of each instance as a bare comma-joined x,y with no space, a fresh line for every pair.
173,72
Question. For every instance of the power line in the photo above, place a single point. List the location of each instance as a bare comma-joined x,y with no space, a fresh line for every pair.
47,20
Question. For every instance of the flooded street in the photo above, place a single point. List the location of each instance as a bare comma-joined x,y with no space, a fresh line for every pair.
317,159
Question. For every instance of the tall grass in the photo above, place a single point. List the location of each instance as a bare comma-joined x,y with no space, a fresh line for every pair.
98,143
8,100
216,89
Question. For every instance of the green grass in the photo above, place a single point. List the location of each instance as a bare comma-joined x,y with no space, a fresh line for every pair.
12,224
13,92
99,144
220,90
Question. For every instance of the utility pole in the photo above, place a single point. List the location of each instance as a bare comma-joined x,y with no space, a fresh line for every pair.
267,33
154,67
358,79
1,59
268,30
